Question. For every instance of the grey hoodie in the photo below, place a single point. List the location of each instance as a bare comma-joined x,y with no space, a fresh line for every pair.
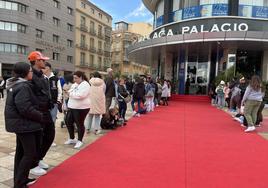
13,81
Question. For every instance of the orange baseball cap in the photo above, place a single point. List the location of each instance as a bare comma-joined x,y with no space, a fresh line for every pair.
35,55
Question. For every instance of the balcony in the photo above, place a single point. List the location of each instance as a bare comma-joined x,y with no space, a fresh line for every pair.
83,28
92,49
107,33
82,46
100,51
107,54
83,64
92,32
92,66
100,35
107,39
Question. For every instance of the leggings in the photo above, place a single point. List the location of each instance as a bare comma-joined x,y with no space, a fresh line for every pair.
78,117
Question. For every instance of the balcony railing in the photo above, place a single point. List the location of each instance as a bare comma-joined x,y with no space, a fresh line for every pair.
107,54
82,46
100,35
83,28
92,49
92,32
83,64
100,51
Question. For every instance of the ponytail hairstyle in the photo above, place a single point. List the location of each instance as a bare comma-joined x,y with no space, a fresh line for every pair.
81,74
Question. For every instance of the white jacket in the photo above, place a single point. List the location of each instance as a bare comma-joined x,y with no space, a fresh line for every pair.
79,96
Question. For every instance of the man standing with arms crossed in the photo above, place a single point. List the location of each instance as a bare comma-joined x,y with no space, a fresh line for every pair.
41,90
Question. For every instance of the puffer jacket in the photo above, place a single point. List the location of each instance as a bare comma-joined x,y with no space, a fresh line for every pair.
21,114
97,96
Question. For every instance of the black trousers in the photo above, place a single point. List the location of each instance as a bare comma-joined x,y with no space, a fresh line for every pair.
78,117
2,93
26,156
47,138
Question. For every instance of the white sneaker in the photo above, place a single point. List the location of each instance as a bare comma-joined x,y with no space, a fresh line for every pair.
37,171
134,113
98,132
138,115
43,165
53,144
78,144
249,129
70,141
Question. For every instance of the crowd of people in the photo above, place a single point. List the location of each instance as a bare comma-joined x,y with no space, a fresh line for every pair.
243,98
35,95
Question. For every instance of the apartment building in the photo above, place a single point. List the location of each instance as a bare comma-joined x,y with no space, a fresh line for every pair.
93,38
124,35
43,25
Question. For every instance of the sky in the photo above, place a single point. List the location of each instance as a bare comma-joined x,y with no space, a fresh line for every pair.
125,10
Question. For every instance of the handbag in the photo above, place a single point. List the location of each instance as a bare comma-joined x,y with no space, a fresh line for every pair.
127,99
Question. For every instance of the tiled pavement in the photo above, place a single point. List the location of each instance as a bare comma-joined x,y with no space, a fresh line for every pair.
54,157
56,154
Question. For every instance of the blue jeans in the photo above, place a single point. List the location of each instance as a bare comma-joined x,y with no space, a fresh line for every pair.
122,108
54,112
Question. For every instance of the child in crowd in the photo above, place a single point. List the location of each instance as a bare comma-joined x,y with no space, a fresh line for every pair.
220,94
110,119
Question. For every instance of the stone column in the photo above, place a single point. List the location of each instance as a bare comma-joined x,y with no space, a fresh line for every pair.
265,66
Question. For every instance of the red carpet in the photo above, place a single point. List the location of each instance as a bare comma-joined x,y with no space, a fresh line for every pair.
184,145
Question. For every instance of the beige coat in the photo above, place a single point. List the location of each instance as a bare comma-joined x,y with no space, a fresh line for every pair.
97,96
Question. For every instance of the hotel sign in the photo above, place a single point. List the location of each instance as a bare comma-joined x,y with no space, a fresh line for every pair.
210,25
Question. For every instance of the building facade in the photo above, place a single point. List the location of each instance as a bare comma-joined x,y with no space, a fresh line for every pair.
93,38
46,26
194,40
124,35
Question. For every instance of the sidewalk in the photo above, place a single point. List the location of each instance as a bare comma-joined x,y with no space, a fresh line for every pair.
55,156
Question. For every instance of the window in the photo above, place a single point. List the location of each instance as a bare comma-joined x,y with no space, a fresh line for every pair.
99,30
56,56
12,6
160,9
99,45
206,2
83,20
92,10
69,27
100,15
176,4
12,48
190,3
39,14
56,4
21,28
254,2
83,5
56,21
56,38
70,11
83,39
69,43
92,25
39,33
69,59
91,59
92,43
99,60
82,58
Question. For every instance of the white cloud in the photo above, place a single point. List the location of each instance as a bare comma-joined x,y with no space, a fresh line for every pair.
140,11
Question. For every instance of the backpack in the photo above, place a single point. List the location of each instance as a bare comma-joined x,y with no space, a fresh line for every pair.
220,92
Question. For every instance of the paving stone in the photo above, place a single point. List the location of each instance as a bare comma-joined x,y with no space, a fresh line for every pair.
5,174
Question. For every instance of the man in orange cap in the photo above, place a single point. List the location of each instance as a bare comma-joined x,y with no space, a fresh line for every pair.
41,90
